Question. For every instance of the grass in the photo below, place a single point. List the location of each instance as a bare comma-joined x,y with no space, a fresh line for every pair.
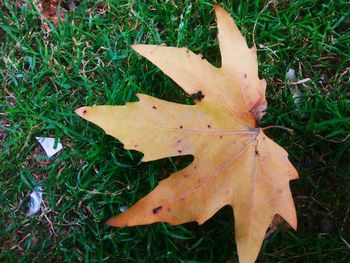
47,72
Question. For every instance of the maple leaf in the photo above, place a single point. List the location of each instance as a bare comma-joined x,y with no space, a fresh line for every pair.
235,163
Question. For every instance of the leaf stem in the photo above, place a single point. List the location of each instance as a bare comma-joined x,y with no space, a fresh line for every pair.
279,127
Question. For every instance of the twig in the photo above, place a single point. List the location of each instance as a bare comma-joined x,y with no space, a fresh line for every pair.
279,127
299,82
333,140
256,21
346,243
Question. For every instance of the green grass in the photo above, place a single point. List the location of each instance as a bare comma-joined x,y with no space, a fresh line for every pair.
47,73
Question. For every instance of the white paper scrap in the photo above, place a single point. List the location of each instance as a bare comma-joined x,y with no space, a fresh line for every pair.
297,94
36,198
48,145
123,208
291,75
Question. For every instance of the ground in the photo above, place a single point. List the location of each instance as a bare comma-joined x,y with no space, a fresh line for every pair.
48,69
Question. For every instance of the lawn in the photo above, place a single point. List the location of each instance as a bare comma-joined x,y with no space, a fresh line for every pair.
48,71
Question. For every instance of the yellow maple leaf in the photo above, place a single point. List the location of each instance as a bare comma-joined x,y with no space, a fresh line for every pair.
235,163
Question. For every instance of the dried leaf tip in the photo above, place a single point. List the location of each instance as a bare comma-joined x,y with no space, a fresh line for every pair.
81,111
111,222
219,9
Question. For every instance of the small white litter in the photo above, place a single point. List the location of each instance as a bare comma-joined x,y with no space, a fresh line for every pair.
123,208
36,198
297,97
291,75
48,145
297,94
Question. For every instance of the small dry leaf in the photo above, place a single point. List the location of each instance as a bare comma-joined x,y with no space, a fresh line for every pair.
235,163
50,11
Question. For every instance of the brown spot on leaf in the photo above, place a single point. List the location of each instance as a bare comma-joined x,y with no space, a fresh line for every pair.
154,107
181,126
179,151
209,126
220,136
245,75
198,96
156,210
